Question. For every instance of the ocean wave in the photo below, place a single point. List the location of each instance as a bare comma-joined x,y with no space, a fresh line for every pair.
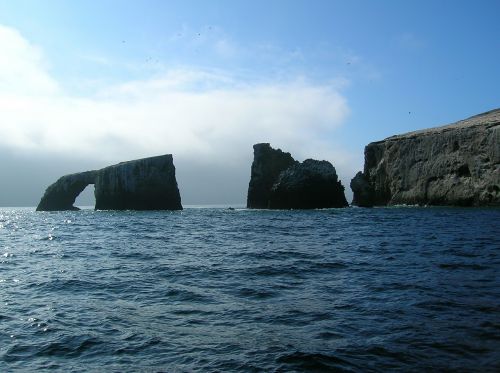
393,289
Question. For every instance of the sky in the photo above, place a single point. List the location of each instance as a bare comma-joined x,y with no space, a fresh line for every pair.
86,84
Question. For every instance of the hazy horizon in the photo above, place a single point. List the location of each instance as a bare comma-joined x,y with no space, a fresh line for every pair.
84,85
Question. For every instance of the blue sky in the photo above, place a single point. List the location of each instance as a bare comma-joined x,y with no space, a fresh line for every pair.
91,83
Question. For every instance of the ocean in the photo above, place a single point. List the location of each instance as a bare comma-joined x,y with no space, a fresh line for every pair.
236,290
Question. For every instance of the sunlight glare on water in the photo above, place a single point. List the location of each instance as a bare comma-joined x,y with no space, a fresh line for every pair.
213,289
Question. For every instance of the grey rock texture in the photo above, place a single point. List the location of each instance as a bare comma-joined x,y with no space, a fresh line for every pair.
454,165
144,184
278,181
308,185
267,165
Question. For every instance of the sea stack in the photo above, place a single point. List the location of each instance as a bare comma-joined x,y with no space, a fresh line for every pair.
311,184
143,184
267,165
453,165
278,181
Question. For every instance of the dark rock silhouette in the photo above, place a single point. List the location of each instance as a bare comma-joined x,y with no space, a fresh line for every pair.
62,194
308,185
364,193
143,184
455,165
267,165
277,181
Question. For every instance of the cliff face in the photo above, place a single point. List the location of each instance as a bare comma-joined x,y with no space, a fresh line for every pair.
267,165
144,184
308,185
457,165
277,181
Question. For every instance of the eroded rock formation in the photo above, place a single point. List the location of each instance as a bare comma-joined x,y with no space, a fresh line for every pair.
308,185
457,165
365,194
62,194
143,184
267,165
278,181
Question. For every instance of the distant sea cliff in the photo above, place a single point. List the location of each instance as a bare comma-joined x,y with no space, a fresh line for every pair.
141,184
453,165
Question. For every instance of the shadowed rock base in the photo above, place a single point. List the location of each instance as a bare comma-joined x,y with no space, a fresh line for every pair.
62,194
308,185
144,184
267,165
279,182
454,165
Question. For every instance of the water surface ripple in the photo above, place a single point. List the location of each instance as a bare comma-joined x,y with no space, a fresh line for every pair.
213,290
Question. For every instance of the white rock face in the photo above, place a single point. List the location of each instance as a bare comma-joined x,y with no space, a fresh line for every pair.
457,164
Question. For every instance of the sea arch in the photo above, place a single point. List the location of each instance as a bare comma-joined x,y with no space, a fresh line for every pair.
62,194
141,184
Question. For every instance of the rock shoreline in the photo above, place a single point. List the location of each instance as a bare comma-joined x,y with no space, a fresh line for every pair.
453,165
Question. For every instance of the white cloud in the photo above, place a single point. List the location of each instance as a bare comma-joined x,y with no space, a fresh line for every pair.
199,116
22,66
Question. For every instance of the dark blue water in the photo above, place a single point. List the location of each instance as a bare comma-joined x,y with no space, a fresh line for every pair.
407,289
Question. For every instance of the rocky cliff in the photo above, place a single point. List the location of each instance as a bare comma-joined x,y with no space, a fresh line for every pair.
144,184
278,181
308,185
456,164
267,165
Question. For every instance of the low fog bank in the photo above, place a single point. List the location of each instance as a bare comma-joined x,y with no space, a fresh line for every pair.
25,178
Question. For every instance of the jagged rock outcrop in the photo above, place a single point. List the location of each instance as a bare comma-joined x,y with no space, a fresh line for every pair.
308,185
267,165
455,165
143,184
278,181
364,195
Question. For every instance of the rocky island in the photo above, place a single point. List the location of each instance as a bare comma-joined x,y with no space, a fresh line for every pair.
278,181
143,184
455,165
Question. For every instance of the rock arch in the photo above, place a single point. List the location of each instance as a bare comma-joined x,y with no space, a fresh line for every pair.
62,194
143,184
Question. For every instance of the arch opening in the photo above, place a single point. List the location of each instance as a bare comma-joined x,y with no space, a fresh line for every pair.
86,199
